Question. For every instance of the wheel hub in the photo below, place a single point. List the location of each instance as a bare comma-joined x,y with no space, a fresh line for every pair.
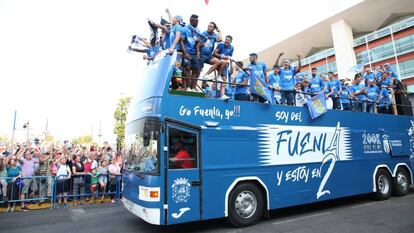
246,204
383,184
402,181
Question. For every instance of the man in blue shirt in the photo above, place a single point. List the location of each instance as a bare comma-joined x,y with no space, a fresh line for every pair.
174,41
241,80
287,81
258,70
207,47
274,83
335,88
315,82
345,96
151,51
368,75
189,40
384,101
358,91
224,52
372,96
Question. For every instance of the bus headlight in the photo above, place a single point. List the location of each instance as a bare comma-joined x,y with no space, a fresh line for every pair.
151,194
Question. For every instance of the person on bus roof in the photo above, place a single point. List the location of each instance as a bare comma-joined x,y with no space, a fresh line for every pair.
258,70
207,48
358,92
287,81
224,52
182,159
241,80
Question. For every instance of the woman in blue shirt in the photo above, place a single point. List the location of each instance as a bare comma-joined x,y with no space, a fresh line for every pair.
13,190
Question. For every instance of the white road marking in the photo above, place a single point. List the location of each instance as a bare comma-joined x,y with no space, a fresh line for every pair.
300,218
366,204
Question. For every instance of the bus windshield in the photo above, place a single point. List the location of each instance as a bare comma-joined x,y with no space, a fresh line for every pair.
142,143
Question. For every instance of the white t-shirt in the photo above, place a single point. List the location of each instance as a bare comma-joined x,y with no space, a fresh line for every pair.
62,171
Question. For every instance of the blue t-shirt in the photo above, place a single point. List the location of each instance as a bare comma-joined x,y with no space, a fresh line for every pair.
372,93
287,80
209,92
369,76
174,30
259,70
209,42
325,85
274,79
386,83
225,50
13,172
344,95
152,51
166,40
334,84
189,35
316,84
385,98
357,88
392,72
239,79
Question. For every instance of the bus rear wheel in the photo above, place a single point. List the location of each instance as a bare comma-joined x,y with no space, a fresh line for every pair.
245,205
401,182
384,185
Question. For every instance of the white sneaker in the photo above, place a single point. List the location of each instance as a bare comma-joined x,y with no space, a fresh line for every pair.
188,89
224,97
206,77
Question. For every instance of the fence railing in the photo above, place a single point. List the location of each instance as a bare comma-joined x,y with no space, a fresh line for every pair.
48,189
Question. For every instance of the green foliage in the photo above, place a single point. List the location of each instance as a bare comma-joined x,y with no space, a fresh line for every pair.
120,118
83,140
4,138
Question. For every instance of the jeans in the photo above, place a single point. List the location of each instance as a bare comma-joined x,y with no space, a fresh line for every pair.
287,97
360,106
371,107
258,98
241,96
346,106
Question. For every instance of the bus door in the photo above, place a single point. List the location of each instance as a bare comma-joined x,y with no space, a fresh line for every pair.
183,175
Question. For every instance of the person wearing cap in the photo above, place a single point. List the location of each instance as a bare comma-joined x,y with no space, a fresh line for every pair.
258,70
388,69
241,79
274,83
345,97
315,82
207,48
287,80
358,92
224,52
189,40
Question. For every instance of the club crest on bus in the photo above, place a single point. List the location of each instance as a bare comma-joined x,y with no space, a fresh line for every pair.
181,190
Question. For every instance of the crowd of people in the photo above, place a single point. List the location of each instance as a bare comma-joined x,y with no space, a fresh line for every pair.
368,91
36,172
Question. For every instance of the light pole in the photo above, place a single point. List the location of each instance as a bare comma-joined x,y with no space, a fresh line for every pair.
100,133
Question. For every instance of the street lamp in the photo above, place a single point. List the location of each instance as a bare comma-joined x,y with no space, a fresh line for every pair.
26,126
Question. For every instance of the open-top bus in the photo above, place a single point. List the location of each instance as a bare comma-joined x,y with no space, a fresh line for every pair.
247,158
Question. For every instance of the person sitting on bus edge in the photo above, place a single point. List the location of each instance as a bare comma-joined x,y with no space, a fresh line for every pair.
358,92
335,88
182,158
151,52
258,70
224,51
241,79
287,81
344,96
189,40
274,83
207,48
175,37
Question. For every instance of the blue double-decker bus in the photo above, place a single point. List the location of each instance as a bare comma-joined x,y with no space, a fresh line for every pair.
193,158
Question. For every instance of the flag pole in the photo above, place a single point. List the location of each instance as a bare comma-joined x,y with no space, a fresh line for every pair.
14,129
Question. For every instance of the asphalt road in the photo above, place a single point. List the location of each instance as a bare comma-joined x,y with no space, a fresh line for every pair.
356,214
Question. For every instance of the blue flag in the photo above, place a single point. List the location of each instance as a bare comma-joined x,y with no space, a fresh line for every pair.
259,87
360,67
317,105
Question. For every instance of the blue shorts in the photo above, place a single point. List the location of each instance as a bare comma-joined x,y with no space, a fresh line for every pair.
205,59
193,63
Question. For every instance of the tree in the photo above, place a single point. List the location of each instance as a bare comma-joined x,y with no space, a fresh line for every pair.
120,118
83,140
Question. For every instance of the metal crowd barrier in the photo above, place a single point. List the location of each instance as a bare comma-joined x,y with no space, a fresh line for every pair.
44,189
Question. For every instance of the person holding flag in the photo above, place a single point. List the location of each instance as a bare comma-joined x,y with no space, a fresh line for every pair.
258,71
224,52
153,50
287,81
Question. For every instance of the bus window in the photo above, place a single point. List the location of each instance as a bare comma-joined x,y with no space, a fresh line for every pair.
182,149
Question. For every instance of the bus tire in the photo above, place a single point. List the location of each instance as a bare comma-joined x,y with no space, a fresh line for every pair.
245,205
383,183
401,182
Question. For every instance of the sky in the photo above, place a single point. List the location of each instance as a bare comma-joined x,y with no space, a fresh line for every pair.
65,62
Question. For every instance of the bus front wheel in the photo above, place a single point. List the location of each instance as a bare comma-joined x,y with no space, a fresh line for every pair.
245,205
401,182
383,182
